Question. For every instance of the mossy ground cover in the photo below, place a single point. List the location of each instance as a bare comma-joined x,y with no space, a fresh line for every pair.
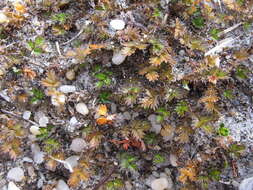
126,89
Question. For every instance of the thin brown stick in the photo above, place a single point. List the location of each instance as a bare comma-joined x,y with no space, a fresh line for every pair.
18,116
105,179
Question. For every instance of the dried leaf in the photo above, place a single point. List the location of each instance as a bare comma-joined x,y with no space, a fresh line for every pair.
79,174
103,121
12,148
95,139
188,173
184,134
179,29
150,101
51,80
152,76
209,99
19,7
29,73
102,110
167,130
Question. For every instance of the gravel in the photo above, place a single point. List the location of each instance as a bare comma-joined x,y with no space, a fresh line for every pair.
61,185
16,174
160,184
82,108
246,184
78,145
12,186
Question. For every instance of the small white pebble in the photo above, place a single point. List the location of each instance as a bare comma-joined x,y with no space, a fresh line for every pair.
26,115
118,58
67,89
43,121
12,186
70,75
82,108
3,18
38,157
78,145
72,161
61,185
117,24
35,130
159,184
16,174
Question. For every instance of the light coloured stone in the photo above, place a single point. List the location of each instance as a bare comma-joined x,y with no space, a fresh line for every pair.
38,156
78,145
16,174
12,186
118,58
73,121
35,130
67,89
246,184
173,160
160,184
70,75
72,161
117,24
58,99
27,115
61,185
43,121
3,18
82,108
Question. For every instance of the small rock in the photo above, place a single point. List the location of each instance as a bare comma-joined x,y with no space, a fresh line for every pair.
58,99
113,108
40,183
12,186
4,95
78,145
2,183
27,159
61,185
152,118
117,24
128,185
72,161
73,121
3,18
38,157
70,75
246,184
30,171
82,108
16,174
154,173
181,52
149,180
35,130
127,115
167,171
43,121
118,58
26,115
163,175
67,89
160,184
173,160
155,128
